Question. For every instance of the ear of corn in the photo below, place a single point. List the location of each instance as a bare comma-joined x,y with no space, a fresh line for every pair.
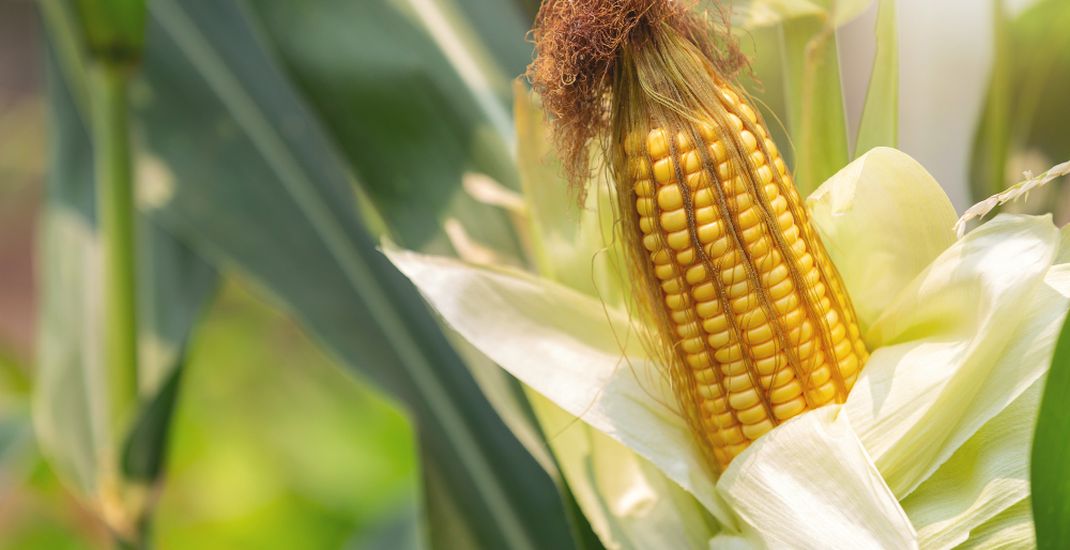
753,323
759,324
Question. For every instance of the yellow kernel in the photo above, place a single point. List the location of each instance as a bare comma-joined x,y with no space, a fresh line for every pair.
789,409
751,415
699,360
715,406
718,152
786,392
734,274
677,302
770,147
695,274
843,348
664,171
730,436
785,221
824,394
820,376
644,188
704,292
689,330
691,162
765,350
703,197
692,345
710,231
787,303
754,431
778,378
849,365
707,131
735,368
705,215
739,289
732,451
698,180
657,143
728,353
769,365
652,242
745,303
735,122
715,324
706,376
729,97
743,400
683,141
717,248
665,271
725,420
719,340
670,198
661,257
747,139
748,113
646,224
708,309
737,383
675,220
749,218
752,318
672,286
678,240
779,204
781,289
764,175
645,206
759,250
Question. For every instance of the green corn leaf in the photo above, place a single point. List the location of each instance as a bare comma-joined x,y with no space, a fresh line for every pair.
1025,109
880,114
247,177
816,120
412,99
1050,463
69,406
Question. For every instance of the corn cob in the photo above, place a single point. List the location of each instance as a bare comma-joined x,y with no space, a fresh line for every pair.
759,318
753,322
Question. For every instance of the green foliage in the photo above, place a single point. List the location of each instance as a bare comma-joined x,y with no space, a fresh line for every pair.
396,108
273,445
880,114
114,29
71,412
816,118
238,167
1050,465
1026,101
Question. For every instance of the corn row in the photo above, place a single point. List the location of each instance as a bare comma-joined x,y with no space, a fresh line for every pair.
761,325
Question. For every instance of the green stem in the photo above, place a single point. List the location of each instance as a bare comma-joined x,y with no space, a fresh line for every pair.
115,216
816,116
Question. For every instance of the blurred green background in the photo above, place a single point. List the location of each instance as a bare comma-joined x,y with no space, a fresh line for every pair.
273,445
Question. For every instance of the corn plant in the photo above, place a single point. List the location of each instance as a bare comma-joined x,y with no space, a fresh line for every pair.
577,377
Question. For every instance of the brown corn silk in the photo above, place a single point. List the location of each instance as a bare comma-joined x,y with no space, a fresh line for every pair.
752,319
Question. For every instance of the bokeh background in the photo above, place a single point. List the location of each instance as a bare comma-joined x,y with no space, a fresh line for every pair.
274,445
